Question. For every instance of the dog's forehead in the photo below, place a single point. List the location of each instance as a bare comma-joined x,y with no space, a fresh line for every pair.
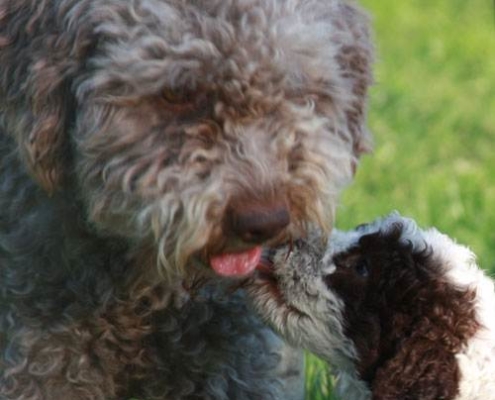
186,44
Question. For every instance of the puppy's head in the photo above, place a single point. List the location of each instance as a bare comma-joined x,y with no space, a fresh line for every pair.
383,302
200,129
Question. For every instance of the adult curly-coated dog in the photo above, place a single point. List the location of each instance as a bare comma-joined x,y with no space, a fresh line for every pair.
399,312
148,147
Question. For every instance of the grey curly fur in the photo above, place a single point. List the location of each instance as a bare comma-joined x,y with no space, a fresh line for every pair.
127,129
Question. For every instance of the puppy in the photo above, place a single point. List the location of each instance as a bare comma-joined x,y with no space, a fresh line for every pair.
399,312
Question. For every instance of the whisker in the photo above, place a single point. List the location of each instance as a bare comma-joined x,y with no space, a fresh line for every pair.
291,247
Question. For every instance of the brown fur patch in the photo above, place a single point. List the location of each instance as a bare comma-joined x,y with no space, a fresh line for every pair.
406,320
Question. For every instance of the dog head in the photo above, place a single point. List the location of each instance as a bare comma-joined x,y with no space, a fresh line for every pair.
201,129
387,304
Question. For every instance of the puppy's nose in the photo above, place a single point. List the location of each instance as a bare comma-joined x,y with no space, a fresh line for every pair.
256,223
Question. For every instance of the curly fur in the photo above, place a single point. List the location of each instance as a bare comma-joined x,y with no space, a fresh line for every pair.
128,129
399,312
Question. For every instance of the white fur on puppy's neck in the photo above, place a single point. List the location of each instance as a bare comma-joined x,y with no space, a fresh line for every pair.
477,359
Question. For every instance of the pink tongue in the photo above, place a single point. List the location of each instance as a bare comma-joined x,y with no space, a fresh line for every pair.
236,264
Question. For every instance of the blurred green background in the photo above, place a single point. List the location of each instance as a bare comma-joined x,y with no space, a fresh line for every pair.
432,113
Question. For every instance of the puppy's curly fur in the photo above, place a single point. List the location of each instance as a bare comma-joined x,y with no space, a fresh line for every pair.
130,133
399,312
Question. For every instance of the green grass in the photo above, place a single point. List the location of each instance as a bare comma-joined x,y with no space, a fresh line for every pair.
433,117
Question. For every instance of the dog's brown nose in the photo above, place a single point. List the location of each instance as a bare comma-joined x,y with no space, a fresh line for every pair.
256,223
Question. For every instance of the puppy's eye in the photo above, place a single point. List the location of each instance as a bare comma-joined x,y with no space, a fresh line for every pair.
362,268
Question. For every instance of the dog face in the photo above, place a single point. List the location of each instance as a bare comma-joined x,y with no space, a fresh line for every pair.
383,302
201,128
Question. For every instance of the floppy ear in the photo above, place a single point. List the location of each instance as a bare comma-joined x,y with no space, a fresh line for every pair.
39,55
418,372
356,61
39,124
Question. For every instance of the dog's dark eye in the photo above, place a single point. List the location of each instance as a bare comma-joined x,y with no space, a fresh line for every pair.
175,96
362,268
183,101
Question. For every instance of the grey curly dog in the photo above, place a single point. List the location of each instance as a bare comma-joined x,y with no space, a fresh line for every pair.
150,150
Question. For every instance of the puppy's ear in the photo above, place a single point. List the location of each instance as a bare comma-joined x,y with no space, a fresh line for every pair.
418,372
357,60
38,58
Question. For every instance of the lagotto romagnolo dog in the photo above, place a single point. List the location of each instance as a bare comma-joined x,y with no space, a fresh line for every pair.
148,147
399,312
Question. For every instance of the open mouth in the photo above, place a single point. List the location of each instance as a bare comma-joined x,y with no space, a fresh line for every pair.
236,264
242,263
